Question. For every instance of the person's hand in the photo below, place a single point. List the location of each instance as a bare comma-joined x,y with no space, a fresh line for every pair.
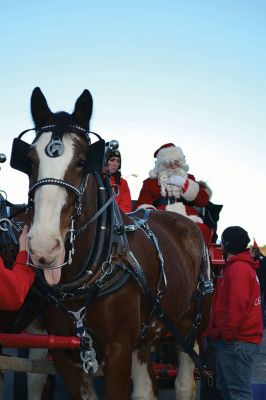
176,180
23,238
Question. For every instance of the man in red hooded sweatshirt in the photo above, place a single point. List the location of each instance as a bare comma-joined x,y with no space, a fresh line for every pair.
15,283
236,319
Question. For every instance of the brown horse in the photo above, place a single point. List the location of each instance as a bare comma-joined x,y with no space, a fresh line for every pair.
118,281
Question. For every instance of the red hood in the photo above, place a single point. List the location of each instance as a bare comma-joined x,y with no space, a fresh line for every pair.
245,257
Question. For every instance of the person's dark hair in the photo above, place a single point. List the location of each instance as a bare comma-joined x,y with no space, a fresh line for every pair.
235,239
112,151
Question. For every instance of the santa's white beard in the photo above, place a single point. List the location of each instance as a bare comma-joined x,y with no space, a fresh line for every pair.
170,190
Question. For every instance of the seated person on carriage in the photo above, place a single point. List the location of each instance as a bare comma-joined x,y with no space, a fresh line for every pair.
171,188
113,164
15,283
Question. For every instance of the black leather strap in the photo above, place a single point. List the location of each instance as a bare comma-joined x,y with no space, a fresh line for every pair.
138,274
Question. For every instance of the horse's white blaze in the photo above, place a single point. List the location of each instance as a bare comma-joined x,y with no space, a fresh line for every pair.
45,239
142,385
185,388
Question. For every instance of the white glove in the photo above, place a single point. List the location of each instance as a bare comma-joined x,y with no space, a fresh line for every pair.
176,180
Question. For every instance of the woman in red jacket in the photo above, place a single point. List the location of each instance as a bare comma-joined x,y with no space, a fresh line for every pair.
113,162
15,283
236,320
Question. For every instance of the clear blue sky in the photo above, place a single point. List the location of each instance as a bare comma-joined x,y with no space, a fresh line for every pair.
190,72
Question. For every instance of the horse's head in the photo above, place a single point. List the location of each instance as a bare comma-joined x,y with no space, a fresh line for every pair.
58,178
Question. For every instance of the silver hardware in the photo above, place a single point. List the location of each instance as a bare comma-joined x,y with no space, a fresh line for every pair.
55,148
89,361
4,222
88,357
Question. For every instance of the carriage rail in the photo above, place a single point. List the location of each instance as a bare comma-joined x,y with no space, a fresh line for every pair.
25,340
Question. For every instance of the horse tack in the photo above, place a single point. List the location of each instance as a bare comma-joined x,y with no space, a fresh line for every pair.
128,265
57,296
204,287
110,256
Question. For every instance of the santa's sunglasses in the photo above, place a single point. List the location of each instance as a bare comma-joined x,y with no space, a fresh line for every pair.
171,164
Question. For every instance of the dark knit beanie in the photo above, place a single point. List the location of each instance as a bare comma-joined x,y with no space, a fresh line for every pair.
113,153
235,239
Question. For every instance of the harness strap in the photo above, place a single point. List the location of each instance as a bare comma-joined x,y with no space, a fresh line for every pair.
97,214
155,307
57,182
7,227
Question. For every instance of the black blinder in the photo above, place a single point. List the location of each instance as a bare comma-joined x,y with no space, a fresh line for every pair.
19,156
19,153
95,156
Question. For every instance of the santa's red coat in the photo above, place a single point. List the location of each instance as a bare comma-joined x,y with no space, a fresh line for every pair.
151,191
150,194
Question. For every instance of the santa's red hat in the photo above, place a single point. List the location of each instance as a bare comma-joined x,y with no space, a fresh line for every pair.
164,146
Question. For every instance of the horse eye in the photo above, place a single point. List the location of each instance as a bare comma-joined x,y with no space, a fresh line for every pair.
82,164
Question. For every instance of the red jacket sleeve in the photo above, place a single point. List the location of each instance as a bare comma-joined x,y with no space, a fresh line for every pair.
195,193
237,297
123,199
15,283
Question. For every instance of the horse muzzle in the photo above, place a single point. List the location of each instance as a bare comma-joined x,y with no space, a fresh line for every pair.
47,255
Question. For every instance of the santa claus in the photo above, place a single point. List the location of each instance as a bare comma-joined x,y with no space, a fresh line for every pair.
170,187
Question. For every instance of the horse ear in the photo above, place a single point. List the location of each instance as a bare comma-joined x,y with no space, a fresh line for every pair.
83,109
39,108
